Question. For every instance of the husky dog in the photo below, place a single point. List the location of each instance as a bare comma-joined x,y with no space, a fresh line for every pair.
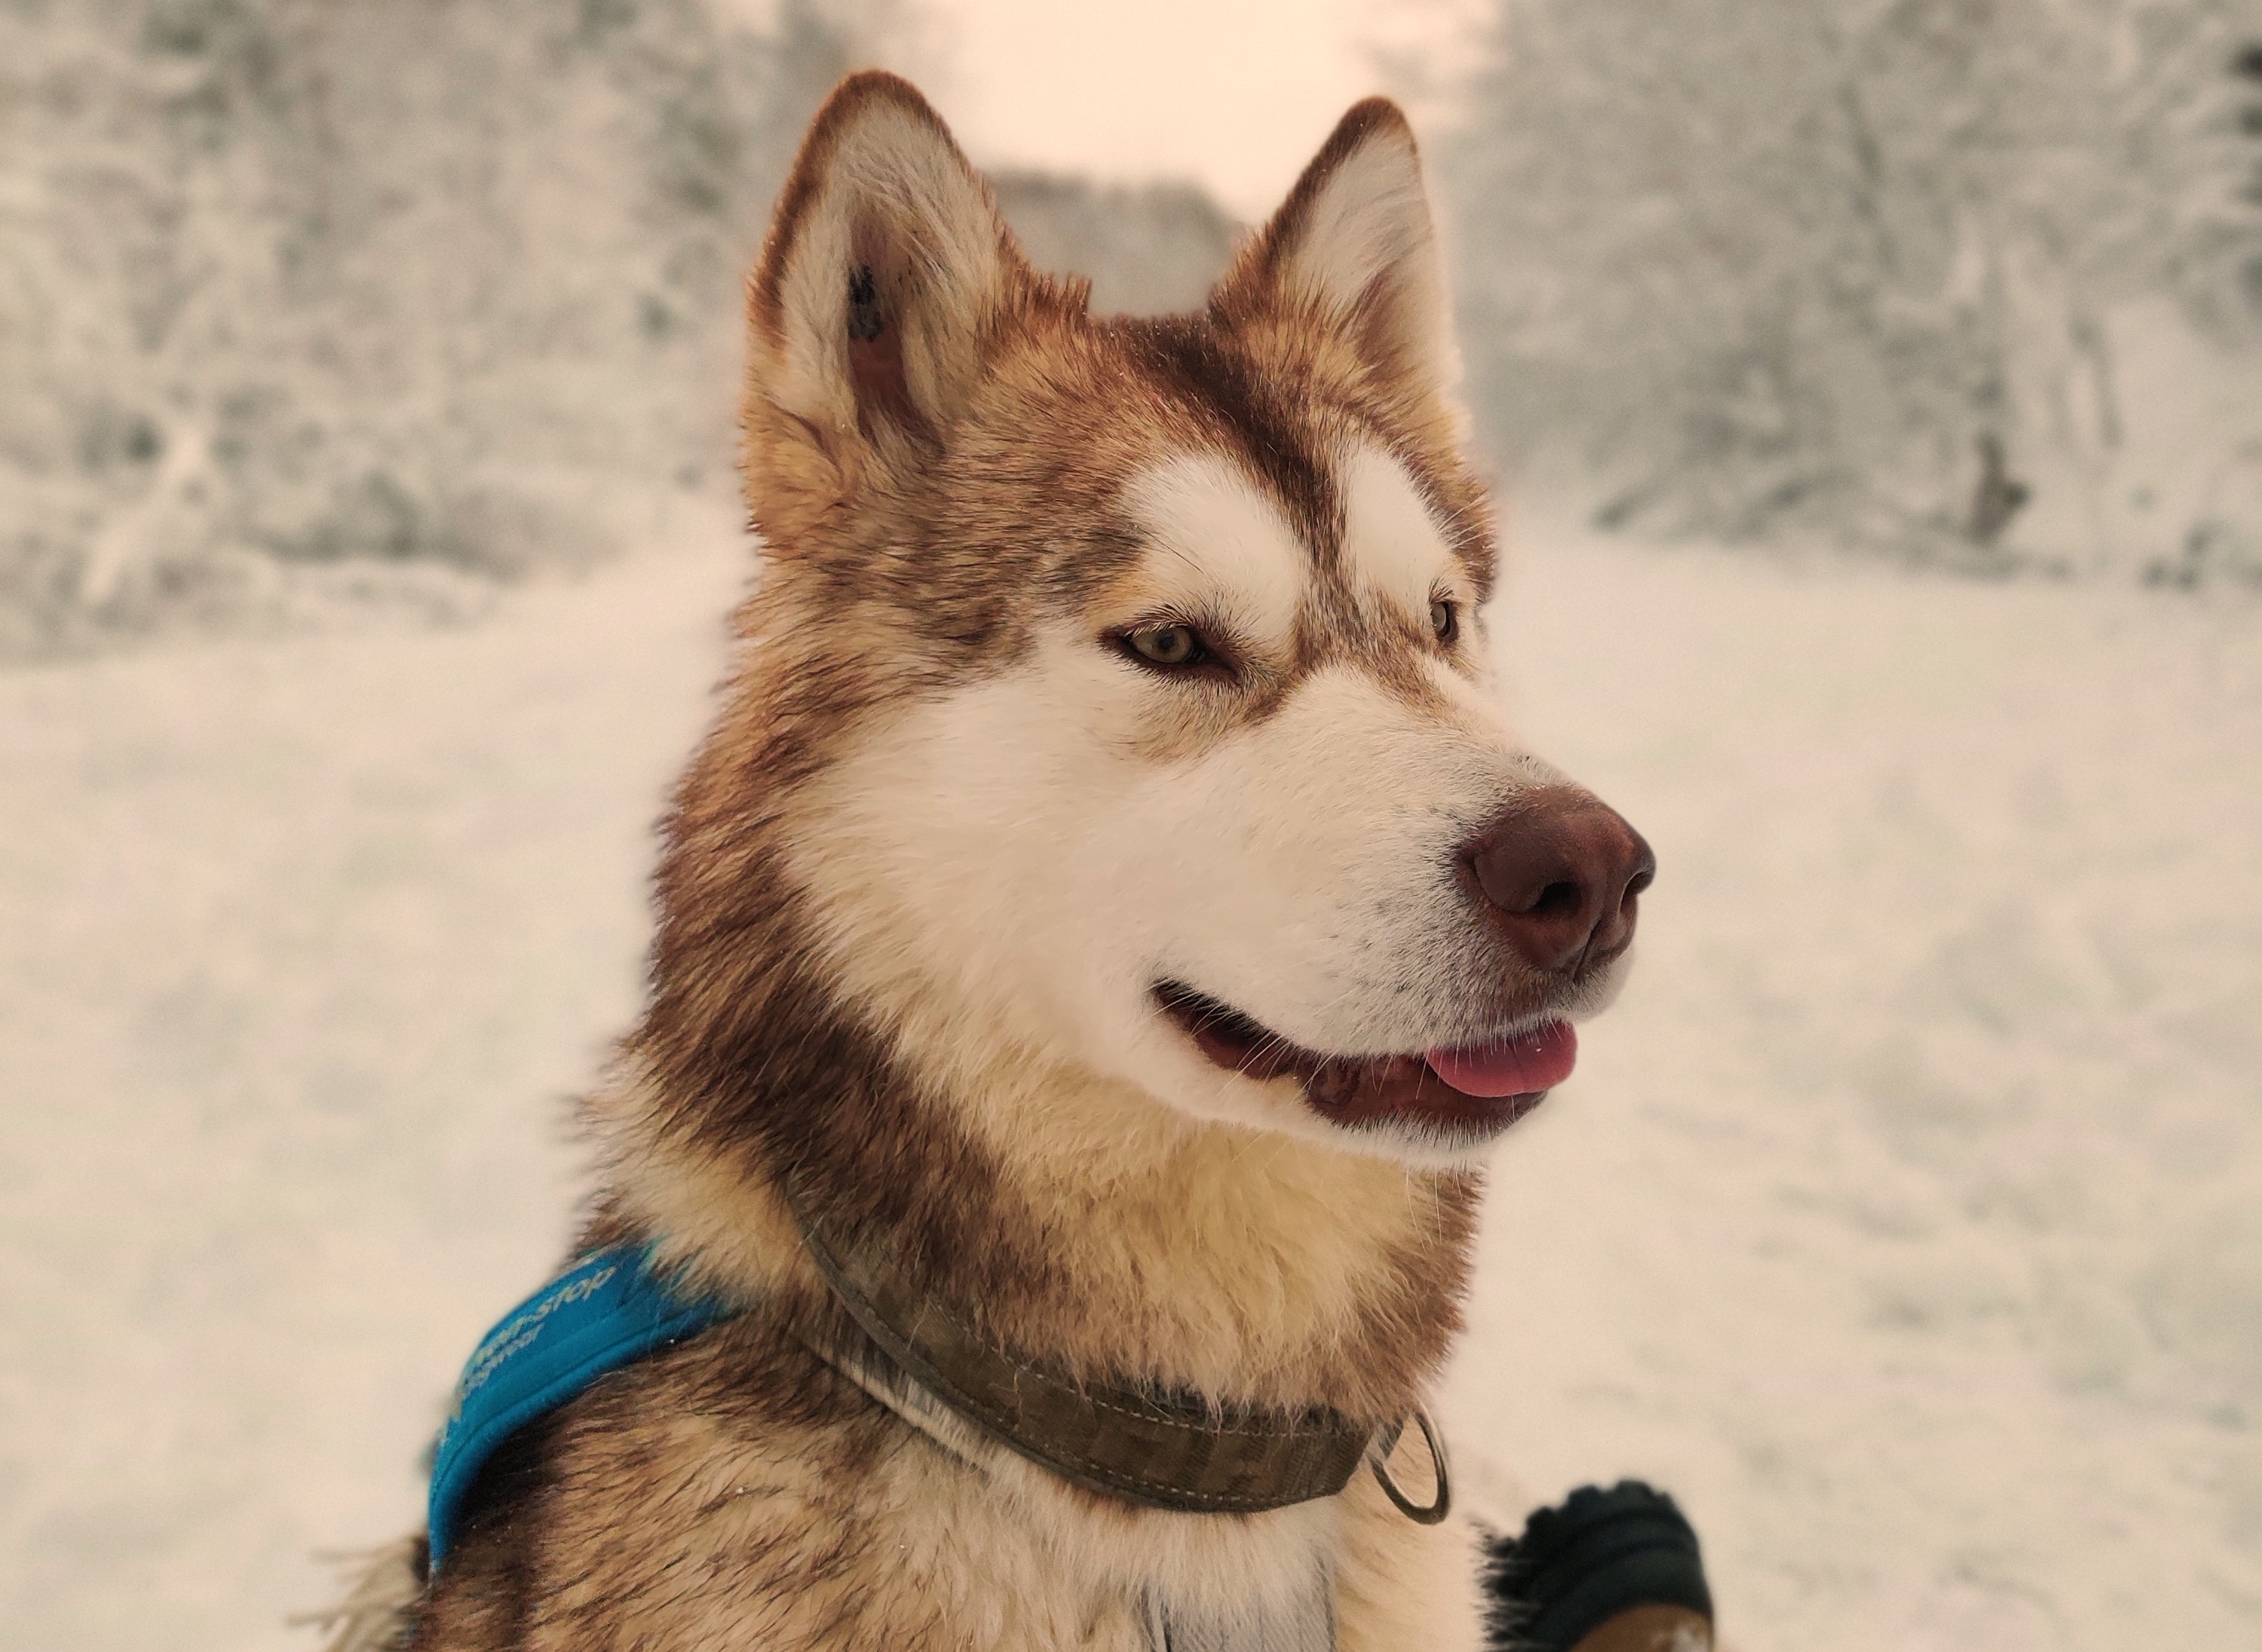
1111,913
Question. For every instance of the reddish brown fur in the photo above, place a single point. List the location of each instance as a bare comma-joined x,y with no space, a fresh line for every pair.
908,553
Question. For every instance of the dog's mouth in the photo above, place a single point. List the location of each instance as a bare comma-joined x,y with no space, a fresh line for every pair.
1470,1089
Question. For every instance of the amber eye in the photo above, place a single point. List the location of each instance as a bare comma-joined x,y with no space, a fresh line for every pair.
1167,645
1445,618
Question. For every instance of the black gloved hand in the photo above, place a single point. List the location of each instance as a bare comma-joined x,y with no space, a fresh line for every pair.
1603,1571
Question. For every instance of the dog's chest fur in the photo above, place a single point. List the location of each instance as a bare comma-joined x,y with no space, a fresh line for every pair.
740,1493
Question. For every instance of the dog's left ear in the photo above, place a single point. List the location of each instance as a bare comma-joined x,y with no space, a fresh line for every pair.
1353,247
887,270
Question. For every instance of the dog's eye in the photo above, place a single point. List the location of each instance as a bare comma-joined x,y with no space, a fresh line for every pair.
1167,645
1445,618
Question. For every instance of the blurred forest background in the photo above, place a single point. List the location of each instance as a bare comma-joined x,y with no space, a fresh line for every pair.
306,304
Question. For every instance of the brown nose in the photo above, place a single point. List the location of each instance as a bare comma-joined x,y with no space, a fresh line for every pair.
1561,872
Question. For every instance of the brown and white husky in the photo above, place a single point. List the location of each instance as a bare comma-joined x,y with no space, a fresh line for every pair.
1111,895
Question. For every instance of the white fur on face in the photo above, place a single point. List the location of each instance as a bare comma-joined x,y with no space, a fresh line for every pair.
1220,545
1011,852
1391,545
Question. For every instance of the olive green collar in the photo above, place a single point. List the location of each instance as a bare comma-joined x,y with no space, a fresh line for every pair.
1161,1450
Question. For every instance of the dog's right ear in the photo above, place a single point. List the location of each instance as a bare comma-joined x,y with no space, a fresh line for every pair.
887,268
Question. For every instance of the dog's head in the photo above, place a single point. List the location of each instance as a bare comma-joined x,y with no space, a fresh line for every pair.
1126,682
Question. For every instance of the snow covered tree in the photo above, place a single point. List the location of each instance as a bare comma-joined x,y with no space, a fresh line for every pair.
296,291
1864,265
312,300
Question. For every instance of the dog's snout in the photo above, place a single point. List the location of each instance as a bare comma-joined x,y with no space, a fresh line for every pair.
1561,873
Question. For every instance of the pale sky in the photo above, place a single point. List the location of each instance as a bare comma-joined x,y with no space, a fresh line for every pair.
1234,93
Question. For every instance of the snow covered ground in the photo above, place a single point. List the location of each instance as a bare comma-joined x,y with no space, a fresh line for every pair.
1906,1218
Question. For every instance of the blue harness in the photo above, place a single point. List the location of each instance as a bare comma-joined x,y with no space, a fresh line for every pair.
610,1310
607,1311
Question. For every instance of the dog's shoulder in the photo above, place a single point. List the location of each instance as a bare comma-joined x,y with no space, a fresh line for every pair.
740,1491
734,1459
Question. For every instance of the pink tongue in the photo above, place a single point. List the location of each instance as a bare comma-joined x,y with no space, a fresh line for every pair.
1522,1065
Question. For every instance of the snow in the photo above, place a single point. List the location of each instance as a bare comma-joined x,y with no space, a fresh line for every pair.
1903,1219
1772,269
303,943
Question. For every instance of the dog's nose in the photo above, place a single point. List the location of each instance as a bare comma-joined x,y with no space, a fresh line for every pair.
1561,872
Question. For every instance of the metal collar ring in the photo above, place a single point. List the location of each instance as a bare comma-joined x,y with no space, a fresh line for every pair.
1443,1505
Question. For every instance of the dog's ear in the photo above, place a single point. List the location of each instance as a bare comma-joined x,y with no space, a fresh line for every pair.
886,268
1353,247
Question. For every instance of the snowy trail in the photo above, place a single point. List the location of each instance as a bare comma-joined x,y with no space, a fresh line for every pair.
304,945
1906,1218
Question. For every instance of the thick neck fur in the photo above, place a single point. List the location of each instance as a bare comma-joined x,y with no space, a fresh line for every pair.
1078,1221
